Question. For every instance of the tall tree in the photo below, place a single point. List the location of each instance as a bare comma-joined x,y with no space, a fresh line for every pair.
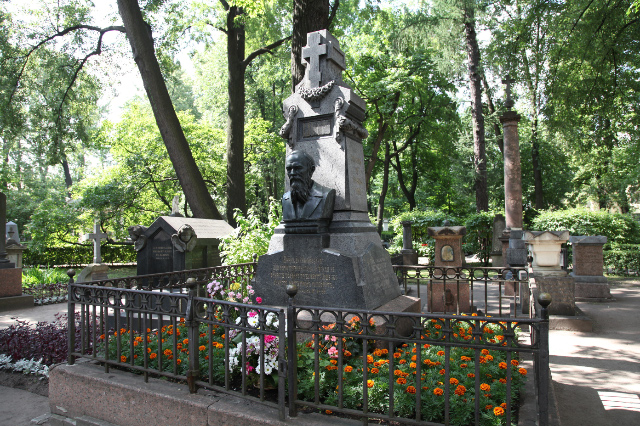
308,16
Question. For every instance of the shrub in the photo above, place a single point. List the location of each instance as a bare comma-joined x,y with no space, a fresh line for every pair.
479,235
618,228
622,258
77,255
251,237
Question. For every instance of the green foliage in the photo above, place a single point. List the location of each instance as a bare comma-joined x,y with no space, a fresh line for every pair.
33,276
622,258
251,237
479,235
618,228
77,255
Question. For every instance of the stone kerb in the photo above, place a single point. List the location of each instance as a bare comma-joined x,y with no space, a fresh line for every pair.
588,266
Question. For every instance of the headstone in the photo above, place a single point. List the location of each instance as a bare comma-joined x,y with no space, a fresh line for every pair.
450,295
409,255
499,226
96,270
11,296
334,259
175,243
588,265
546,271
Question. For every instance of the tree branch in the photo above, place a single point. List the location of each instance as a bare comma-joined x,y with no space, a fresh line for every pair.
332,15
265,49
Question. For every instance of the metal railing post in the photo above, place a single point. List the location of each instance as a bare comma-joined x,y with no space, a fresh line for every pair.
292,358
193,333
543,361
71,320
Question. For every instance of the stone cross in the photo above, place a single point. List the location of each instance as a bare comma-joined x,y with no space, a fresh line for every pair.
508,81
312,55
96,236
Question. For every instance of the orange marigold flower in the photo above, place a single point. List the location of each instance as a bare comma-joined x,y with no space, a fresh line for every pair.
460,390
370,383
453,381
167,352
102,337
411,389
385,351
398,372
328,411
401,381
426,346
179,346
485,387
375,371
522,371
413,358
148,350
499,338
348,369
489,357
347,353
179,361
471,375
438,391
369,359
123,358
202,347
502,365
485,351
412,365
377,364
440,353
465,358
498,411
397,354
504,405
153,356
425,388
502,380
483,360
402,361
438,326
442,372
404,345
463,365
515,362
185,342
488,407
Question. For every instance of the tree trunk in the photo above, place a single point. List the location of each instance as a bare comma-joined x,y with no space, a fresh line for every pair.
492,110
479,155
385,187
68,181
383,125
189,176
236,198
308,16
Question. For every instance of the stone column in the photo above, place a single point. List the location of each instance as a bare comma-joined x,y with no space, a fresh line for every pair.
588,264
409,255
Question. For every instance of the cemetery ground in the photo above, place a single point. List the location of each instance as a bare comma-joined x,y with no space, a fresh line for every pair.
596,375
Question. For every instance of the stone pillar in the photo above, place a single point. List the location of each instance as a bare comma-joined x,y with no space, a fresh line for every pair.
409,255
588,264
547,273
448,296
496,245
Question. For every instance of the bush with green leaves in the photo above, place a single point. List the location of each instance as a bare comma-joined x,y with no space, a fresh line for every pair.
618,228
77,255
622,259
479,235
251,237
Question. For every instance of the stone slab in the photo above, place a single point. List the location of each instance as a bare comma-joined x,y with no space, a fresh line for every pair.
588,259
325,276
594,287
448,251
93,272
10,282
562,291
438,293
16,302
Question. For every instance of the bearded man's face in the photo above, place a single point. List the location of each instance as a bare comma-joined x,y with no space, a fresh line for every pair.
299,174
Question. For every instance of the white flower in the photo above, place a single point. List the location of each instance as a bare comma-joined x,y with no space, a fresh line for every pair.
253,321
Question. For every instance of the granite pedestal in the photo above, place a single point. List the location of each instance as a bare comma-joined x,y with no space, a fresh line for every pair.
588,266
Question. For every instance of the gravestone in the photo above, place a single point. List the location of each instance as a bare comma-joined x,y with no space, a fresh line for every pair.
13,247
335,259
11,296
547,273
174,243
96,270
409,254
588,265
448,296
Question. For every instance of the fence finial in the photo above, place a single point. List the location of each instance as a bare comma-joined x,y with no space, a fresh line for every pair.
71,273
544,299
292,290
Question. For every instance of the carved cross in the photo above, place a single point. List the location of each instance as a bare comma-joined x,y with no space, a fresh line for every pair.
508,81
311,53
96,236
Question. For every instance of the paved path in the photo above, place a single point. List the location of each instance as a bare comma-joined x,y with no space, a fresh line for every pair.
596,375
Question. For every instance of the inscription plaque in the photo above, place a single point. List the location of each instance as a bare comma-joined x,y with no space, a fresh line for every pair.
316,127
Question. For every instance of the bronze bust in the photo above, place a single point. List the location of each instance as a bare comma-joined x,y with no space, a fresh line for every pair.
307,201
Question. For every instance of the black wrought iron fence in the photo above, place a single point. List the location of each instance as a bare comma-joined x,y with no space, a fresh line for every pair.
428,368
487,290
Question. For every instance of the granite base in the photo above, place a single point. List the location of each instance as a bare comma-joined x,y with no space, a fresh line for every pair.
16,302
443,297
562,291
591,287
10,282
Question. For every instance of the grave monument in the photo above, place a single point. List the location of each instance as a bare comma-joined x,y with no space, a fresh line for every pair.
452,295
326,244
175,243
96,270
588,265
13,247
11,296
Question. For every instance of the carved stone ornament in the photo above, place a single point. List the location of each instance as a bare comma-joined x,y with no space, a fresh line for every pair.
136,233
185,239
316,93
286,127
344,124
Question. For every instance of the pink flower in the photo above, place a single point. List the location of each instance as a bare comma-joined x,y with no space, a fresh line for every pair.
268,338
333,352
258,299
252,314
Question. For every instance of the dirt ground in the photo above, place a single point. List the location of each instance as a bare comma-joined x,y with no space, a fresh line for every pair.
29,382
